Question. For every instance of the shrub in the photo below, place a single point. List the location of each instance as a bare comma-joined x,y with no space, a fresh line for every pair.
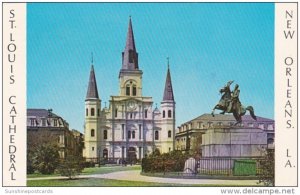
71,166
30,167
88,164
267,167
167,162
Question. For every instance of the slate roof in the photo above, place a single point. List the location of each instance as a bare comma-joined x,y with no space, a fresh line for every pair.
41,113
168,92
92,92
130,44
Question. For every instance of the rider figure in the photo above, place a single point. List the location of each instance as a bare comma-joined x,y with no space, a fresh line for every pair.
226,100
235,103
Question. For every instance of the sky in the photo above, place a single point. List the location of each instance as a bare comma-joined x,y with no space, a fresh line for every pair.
208,44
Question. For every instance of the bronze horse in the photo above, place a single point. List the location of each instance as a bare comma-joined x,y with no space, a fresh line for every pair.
229,103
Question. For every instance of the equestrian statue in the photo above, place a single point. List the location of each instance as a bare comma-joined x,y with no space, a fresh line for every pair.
230,103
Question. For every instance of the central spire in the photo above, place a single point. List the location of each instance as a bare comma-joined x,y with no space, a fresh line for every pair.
130,56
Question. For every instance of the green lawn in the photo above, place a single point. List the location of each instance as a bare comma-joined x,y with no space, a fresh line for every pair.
92,182
99,181
103,170
106,183
34,175
92,170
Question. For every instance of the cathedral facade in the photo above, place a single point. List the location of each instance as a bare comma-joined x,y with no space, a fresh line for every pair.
130,127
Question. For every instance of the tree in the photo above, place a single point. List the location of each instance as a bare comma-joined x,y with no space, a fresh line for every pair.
196,144
71,166
46,158
30,167
267,165
42,152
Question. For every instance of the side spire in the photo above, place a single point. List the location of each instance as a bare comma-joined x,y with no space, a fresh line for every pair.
92,92
130,56
168,92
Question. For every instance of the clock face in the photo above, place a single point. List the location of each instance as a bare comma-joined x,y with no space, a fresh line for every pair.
131,105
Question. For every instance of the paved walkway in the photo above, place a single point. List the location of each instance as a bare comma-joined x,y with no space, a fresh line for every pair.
134,175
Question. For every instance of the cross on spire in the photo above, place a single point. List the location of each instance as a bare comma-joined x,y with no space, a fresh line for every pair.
92,58
168,92
168,59
92,92
130,55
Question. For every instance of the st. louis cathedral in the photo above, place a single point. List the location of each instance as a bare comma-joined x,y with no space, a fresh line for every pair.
131,127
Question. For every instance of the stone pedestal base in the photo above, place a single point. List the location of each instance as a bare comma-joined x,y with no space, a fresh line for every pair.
233,142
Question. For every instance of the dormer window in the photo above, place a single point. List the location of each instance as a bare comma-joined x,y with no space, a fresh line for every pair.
55,122
43,122
32,122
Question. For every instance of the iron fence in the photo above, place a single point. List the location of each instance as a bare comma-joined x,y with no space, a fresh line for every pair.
240,166
229,166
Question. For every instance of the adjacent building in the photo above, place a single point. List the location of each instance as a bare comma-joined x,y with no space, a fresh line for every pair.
189,134
130,127
41,122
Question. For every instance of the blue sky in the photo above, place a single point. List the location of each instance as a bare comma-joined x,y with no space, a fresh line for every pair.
208,44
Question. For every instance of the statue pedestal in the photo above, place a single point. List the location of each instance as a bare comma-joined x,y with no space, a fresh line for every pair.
233,142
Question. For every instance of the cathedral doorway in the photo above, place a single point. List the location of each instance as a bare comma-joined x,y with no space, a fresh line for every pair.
132,155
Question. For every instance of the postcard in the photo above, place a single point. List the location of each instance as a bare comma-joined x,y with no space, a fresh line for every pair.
167,94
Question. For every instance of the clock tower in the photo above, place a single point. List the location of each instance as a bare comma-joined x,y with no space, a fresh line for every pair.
130,77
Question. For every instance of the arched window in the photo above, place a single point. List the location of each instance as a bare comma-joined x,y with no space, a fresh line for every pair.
156,137
133,134
92,133
169,133
92,112
164,114
169,113
105,134
129,134
134,90
86,112
127,90
98,112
